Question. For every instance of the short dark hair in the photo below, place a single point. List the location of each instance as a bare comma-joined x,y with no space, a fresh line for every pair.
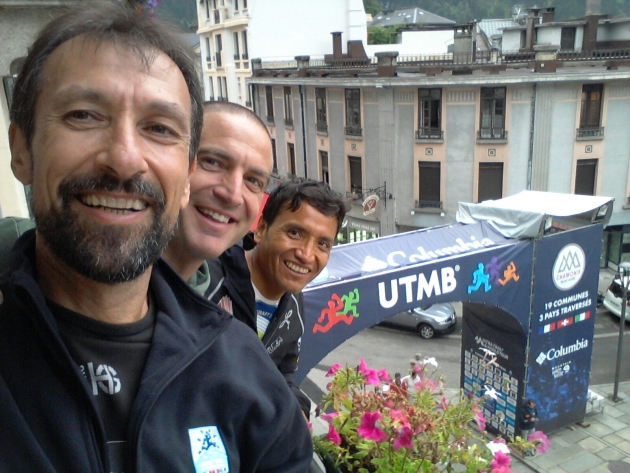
290,196
232,108
103,22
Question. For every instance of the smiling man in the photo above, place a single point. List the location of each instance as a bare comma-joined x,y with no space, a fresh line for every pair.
109,362
295,235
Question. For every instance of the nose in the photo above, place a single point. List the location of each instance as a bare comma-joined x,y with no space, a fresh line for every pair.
124,156
230,191
306,252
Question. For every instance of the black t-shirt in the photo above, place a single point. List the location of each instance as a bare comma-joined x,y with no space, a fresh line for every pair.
112,358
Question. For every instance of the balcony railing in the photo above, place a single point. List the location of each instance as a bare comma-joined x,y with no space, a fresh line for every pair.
429,134
492,134
353,130
354,195
288,122
237,57
218,59
322,126
270,119
244,56
592,132
217,17
428,204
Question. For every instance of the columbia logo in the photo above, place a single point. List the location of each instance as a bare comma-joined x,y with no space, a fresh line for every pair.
571,260
541,358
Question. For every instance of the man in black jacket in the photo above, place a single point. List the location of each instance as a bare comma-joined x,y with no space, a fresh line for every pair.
108,361
263,285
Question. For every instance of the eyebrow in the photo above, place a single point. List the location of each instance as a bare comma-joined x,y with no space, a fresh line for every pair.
218,152
78,93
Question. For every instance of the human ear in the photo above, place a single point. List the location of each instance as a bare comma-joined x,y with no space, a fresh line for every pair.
21,158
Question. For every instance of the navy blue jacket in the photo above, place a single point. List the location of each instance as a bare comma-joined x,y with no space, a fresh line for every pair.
204,369
230,277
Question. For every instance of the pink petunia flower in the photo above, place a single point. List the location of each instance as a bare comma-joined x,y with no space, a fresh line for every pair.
427,383
500,460
480,420
363,366
369,430
541,440
400,417
333,369
371,377
333,435
403,438
329,417
384,375
444,403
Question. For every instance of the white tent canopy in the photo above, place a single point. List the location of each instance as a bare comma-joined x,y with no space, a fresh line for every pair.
530,214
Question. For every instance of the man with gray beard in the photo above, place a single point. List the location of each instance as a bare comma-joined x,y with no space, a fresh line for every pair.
109,362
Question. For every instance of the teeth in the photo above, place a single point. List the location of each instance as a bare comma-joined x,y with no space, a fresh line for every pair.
111,203
296,268
214,215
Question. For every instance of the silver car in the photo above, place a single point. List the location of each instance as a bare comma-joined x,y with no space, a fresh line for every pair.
427,320
613,299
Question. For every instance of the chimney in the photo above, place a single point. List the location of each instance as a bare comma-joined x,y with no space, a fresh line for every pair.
589,40
548,14
532,20
337,54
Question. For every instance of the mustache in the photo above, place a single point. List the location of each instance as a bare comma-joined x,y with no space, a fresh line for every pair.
70,186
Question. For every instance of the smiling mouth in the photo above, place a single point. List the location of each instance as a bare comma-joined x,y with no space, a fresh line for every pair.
215,216
296,268
118,206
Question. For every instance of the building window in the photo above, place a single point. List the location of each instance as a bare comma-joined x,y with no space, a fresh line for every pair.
356,175
490,181
567,38
210,89
269,97
492,114
320,105
244,4
429,185
275,156
585,176
223,93
288,107
244,38
235,5
237,53
208,53
590,114
429,114
219,49
207,9
292,165
353,112
323,161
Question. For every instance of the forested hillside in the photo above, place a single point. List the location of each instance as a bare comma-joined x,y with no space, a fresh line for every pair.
463,11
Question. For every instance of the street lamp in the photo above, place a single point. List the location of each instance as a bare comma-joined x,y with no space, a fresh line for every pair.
624,275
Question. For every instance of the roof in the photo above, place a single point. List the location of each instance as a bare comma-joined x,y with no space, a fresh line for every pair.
496,26
409,16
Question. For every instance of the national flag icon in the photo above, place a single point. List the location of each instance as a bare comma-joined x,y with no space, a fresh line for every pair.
565,323
582,317
548,328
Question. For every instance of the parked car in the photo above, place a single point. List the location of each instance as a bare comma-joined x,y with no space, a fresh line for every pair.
427,320
613,299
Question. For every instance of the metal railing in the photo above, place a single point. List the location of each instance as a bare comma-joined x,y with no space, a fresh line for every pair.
270,119
322,126
492,134
429,134
354,195
288,121
428,204
353,130
591,132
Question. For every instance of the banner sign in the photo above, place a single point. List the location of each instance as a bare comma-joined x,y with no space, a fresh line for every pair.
562,325
493,364
335,312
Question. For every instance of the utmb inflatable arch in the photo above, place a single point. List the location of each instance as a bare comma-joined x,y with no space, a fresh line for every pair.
526,269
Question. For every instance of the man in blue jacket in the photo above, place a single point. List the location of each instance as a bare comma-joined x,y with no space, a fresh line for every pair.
108,361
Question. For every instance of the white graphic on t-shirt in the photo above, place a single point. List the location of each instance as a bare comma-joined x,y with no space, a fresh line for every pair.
104,377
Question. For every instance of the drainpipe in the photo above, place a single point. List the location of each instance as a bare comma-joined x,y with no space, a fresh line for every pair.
301,88
530,159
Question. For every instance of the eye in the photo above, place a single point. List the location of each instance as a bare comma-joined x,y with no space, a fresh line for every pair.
81,118
324,245
209,163
255,184
293,232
